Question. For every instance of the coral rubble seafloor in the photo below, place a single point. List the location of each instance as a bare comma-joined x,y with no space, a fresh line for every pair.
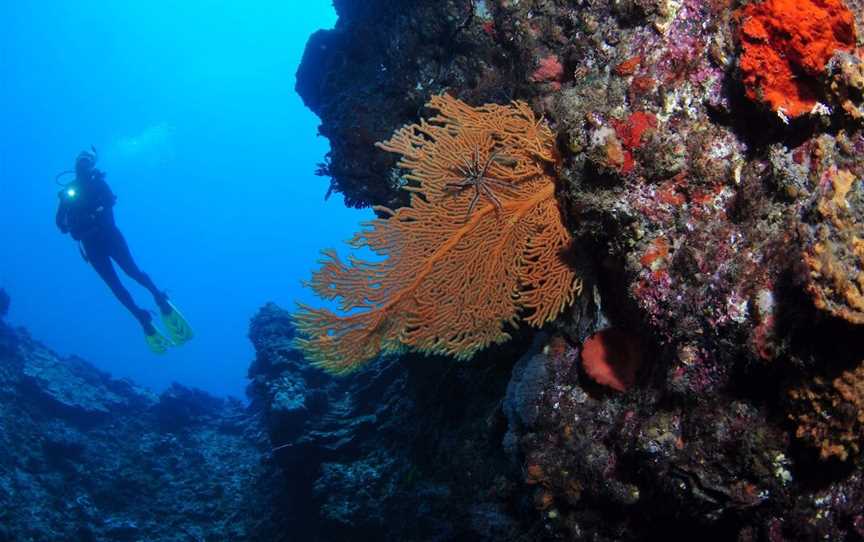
707,381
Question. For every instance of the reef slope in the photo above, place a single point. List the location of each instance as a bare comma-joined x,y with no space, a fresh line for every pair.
87,457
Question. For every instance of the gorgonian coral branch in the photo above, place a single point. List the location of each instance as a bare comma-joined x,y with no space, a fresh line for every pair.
456,268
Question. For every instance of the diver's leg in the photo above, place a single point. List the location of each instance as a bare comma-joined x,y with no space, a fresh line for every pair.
123,256
101,262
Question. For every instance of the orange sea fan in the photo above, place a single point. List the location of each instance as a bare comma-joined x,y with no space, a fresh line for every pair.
480,245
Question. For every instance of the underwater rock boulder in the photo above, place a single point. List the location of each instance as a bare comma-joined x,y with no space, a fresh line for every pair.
80,391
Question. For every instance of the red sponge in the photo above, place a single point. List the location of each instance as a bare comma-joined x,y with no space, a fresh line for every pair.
612,358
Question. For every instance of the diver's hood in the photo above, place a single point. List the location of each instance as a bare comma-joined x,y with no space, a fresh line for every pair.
86,160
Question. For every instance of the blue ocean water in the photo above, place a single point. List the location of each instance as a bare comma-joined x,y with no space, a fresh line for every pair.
211,153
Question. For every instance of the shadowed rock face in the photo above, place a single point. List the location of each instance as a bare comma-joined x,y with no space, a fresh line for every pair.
407,449
86,457
375,70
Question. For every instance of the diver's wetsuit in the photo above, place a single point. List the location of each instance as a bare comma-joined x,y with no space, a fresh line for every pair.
86,213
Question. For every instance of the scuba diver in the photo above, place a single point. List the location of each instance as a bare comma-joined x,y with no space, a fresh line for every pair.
86,213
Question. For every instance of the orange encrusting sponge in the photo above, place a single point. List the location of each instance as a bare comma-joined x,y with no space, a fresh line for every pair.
786,46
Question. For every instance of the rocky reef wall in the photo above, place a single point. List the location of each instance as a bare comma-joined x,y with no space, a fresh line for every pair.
709,379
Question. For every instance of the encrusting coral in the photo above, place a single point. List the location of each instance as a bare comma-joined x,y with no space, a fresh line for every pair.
480,246
831,416
836,256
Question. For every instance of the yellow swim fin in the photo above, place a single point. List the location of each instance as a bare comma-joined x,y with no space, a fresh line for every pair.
177,326
157,342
